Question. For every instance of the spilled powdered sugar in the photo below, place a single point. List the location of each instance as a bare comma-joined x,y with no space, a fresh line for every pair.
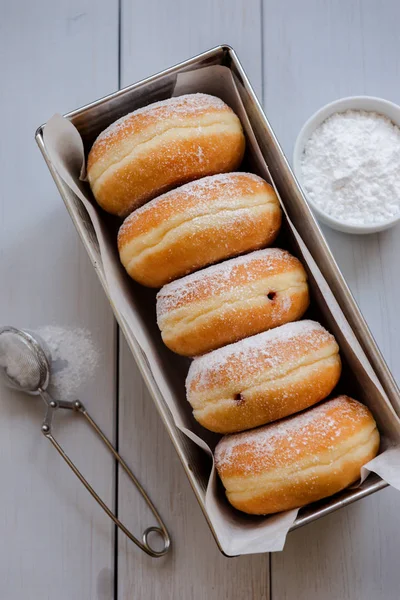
224,184
184,290
74,359
250,350
321,423
180,106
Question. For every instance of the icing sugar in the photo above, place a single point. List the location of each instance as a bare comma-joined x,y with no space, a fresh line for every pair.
308,428
184,289
179,106
351,167
74,356
224,184
251,349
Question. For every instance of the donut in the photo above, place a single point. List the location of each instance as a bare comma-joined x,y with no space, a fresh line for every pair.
298,460
160,146
264,377
230,301
198,224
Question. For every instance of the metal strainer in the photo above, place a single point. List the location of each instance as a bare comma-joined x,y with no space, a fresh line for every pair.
25,366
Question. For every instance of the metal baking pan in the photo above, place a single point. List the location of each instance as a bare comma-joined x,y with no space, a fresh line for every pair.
93,118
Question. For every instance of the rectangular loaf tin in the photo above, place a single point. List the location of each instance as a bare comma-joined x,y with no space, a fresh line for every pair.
96,116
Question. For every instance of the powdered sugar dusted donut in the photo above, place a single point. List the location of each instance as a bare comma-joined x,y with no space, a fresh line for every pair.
298,460
263,378
198,224
235,299
162,145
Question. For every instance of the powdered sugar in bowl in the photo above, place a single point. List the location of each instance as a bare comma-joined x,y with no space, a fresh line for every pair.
347,160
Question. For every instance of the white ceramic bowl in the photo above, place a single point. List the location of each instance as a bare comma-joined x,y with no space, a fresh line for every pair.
369,103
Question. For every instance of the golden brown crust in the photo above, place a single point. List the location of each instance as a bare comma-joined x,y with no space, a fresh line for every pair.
298,460
161,146
263,378
153,116
235,299
198,224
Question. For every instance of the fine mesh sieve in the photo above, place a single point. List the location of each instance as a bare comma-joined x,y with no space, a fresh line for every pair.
25,365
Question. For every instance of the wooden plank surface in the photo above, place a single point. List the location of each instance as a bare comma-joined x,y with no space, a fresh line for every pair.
154,37
314,52
55,543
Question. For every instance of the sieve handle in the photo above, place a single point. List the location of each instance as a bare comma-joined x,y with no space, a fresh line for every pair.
144,545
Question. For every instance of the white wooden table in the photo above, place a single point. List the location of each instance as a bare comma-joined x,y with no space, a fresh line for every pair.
55,543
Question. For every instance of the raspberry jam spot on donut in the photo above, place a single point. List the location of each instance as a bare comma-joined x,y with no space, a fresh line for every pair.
239,399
